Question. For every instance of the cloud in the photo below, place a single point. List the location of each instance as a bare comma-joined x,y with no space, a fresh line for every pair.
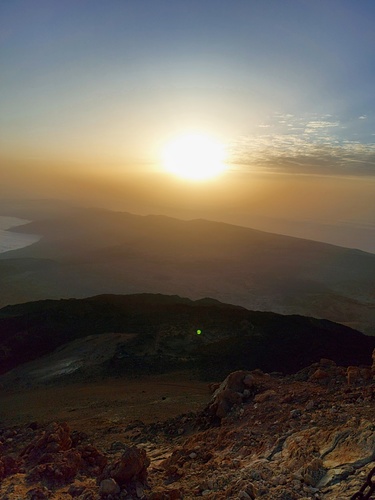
321,124
313,144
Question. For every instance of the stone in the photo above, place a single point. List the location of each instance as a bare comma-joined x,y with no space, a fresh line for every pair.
225,401
243,494
59,468
229,393
131,466
295,413
54,439
93,460
320,375
139,490
265,396
321,446
109,487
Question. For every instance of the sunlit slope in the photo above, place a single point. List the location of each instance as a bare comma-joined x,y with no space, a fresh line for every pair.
98,251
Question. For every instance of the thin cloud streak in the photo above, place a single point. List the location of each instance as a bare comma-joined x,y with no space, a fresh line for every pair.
305,145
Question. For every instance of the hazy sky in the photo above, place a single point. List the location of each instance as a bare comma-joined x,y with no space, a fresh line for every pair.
92,90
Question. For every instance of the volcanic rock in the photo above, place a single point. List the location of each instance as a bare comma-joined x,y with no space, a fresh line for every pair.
8,466
237,387
264,436
130,467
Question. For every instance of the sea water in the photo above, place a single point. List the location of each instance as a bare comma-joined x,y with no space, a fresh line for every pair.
10,240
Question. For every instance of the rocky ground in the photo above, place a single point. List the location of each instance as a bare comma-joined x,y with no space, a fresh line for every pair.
305,436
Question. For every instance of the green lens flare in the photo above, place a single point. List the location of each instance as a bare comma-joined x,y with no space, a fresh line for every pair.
199,332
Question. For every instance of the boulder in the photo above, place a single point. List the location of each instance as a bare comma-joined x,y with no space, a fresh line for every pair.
130,467
237,387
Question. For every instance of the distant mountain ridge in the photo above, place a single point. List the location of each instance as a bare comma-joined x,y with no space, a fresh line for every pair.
162,335
96,251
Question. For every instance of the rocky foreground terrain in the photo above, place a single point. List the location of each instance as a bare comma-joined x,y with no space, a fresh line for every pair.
305,436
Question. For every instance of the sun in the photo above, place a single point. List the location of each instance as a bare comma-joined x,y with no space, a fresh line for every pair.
194,157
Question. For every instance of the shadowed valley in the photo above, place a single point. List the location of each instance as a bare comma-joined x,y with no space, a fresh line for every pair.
95,251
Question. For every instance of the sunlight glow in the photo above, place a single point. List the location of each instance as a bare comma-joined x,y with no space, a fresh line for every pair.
195,157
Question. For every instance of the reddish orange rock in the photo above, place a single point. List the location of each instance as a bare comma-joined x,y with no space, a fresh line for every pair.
131,466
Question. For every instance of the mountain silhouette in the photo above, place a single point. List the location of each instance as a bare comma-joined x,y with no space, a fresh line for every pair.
162,333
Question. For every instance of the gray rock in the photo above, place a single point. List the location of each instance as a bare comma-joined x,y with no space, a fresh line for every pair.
109,487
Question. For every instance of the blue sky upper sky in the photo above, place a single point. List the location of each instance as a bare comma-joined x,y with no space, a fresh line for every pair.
286,84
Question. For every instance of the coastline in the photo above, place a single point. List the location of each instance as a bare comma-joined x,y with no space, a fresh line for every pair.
11,240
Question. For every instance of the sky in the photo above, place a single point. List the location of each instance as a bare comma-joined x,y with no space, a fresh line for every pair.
92,91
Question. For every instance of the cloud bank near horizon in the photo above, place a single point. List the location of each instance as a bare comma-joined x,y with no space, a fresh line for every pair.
311,144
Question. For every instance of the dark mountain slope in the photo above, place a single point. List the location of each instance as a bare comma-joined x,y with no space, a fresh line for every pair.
165,335
96,251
